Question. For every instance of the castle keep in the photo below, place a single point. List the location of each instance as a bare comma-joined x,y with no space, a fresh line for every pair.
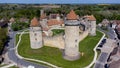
75,29
72,36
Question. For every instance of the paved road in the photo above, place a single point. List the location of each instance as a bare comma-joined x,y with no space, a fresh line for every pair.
12,55
110,33
104,56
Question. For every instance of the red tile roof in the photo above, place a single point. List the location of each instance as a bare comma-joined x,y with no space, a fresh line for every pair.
91,18
116,22
34,22
54,22
72,16
43,16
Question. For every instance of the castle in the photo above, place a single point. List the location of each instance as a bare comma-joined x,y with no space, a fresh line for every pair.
76,29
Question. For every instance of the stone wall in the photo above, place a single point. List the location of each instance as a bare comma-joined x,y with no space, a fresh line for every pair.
58,41
55,41
83,35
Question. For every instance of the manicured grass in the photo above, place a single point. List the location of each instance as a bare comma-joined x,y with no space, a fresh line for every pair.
57,31
54,55
3,65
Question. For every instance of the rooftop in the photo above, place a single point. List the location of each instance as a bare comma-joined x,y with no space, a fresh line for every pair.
72,16
54,22
34,22
90,17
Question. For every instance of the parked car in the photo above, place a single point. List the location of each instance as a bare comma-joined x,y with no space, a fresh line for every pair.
102,43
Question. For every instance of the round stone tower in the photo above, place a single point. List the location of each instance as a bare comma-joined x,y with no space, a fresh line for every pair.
72,37
35,34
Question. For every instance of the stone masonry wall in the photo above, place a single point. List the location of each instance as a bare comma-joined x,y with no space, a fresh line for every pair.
55,41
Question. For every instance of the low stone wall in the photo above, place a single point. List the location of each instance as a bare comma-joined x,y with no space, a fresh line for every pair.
55,41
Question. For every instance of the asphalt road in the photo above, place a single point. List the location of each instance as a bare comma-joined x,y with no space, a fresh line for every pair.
12,55
103,56
110,33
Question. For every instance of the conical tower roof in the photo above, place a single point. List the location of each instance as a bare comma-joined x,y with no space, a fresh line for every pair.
34,22
72,16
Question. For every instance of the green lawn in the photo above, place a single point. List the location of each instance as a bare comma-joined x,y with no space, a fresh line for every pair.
57,31
54,55
1,65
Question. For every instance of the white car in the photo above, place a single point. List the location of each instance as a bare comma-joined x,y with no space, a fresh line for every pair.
30,66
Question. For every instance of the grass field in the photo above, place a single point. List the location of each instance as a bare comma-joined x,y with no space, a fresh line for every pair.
57,31
54,55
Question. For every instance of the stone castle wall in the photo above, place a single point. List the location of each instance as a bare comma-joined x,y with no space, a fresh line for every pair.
55,41
83,35
59,40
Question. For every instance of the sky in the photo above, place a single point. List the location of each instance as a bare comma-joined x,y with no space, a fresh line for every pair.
60,1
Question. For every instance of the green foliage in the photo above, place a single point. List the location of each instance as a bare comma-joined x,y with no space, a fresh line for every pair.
110,12
3,37
99,18
57,31
54,55
19,26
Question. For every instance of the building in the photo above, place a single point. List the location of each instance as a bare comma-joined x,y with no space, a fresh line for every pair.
76,29
35,34
105,22
72,37
92,24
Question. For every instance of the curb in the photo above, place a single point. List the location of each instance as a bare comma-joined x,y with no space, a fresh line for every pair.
95,52
29,58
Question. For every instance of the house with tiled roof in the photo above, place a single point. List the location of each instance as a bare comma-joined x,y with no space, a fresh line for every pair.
90,23
105,22
52,20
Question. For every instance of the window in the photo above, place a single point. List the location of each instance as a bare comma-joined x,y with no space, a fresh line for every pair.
76,40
